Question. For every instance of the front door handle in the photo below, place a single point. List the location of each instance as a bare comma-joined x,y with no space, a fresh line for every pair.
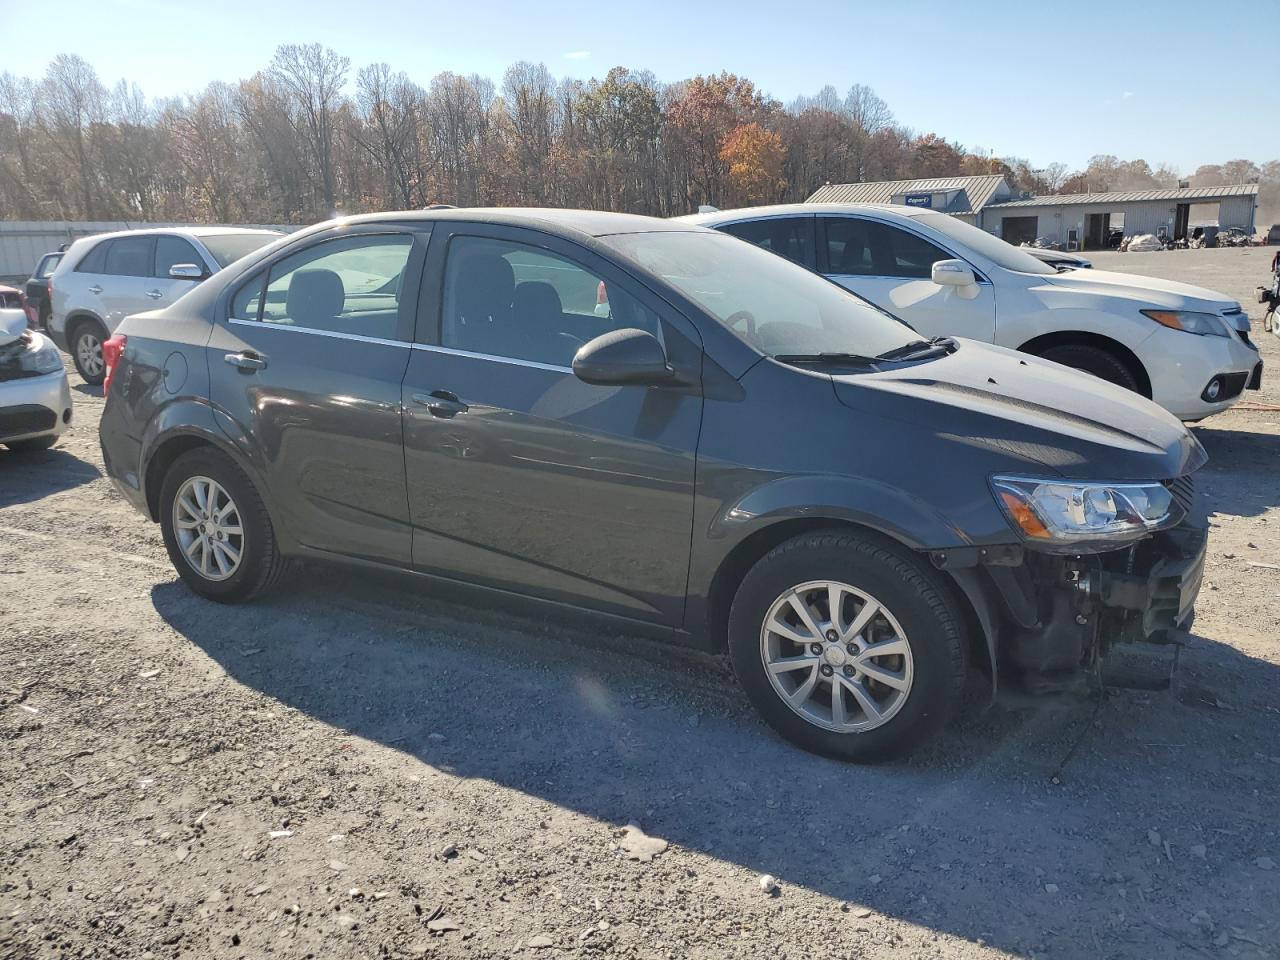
154,294
247,362
441,403
95,289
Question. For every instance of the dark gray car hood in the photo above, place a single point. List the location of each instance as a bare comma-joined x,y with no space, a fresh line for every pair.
1017,405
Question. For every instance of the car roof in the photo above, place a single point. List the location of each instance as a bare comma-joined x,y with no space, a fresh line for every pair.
591,223
185,231
800,209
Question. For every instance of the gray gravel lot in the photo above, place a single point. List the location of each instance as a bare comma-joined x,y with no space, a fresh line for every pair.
361,767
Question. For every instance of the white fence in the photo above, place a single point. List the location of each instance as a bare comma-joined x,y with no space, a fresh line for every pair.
24,242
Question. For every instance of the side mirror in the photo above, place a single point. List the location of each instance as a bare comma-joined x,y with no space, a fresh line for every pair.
623,357
186,271
953,273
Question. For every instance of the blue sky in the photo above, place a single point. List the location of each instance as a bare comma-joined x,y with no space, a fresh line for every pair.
1177,81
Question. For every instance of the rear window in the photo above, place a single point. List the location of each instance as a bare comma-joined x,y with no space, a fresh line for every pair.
47,265
230,247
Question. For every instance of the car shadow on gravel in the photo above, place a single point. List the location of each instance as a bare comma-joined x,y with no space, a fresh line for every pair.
1242,475
30,476
971,837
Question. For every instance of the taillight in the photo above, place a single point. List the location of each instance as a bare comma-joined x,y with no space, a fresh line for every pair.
112,348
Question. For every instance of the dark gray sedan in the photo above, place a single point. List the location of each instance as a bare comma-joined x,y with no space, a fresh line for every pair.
657,423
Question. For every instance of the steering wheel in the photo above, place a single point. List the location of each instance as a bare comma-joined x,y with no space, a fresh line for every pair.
747,317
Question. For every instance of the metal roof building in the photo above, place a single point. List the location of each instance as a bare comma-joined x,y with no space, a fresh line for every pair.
1077,221
963,197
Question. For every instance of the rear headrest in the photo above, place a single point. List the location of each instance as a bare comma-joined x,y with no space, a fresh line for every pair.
314,295
537,300
485,286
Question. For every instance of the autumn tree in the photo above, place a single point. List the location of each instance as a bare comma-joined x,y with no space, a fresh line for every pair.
753,158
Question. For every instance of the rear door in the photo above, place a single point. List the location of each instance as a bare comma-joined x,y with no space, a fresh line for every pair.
893,267
307,368
127,272
523,477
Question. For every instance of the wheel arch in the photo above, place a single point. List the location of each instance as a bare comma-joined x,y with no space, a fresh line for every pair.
1062,338
978,617
166,449
79,316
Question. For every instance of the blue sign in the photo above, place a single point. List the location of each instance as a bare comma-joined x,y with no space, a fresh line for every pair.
919,200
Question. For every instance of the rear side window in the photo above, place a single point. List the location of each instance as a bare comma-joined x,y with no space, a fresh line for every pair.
130,256
351,286
788,236
171,251
95,261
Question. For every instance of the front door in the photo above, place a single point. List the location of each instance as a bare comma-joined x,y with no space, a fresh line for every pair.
893,268
308,367
520,475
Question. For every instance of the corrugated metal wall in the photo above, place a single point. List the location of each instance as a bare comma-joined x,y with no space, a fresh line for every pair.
1139,216
24,242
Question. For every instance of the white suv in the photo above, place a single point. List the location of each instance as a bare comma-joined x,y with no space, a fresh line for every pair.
104,278
1186,348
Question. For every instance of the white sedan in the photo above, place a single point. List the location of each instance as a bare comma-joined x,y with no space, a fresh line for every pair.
35,400
1185,347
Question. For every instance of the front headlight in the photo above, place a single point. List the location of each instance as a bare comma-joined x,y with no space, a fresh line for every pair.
1202,324
1065,516
41,357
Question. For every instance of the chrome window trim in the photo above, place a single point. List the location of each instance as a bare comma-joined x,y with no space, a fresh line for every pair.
430,347
453,351
289,328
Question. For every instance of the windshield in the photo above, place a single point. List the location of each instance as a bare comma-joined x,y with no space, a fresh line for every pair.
999,252
47,265
230,247
775,305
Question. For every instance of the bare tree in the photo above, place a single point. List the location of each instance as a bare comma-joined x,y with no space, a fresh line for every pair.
72,97
313,76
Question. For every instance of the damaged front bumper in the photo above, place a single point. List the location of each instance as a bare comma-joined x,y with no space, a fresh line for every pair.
1048,616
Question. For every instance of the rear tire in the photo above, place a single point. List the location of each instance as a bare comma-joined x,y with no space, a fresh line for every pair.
792,679
31,446
221,542
85,340
1094,360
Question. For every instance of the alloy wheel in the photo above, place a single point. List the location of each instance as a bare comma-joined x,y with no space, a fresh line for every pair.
89,354
206,523
836,656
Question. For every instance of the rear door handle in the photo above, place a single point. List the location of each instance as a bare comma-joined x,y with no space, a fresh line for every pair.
95,289
248,362
441,403
154,294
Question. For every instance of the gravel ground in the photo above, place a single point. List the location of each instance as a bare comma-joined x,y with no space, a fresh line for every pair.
359,768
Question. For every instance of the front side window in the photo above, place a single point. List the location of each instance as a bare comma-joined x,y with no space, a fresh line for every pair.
869,248
906,254
130,256
507,299
778,307
849,247
788,236
171,251
351,286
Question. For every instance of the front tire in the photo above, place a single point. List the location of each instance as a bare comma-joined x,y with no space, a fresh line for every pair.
872,681
217,529
1102,364
86,351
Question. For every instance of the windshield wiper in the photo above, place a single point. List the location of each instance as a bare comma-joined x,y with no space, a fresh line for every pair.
827,358
916,349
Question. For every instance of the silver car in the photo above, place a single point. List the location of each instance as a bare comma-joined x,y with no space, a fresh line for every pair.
106,277
35,401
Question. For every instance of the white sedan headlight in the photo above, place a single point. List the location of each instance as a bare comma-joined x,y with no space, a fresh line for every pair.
41,357
1067,515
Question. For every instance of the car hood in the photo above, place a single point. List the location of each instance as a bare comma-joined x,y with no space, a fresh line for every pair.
13,323
1020,406
1168,294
